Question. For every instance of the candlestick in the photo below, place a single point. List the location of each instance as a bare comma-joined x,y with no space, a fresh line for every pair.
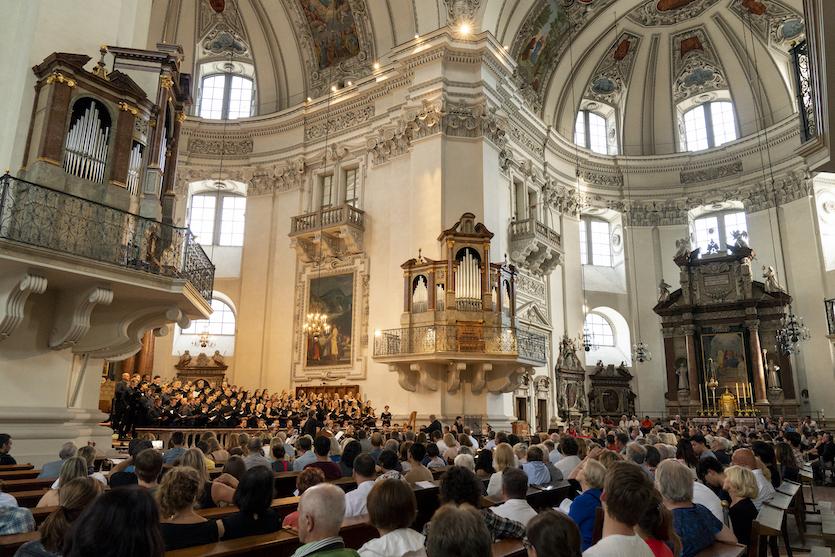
737,392
751,394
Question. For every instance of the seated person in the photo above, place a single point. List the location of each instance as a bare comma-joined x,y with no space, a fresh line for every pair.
460,532
552,534
235,467
321,511
535,468
391,510
745,457
280,463
656,528
256,455
73,467
460,486
181,526
307,479
15,520
417,471
583,509
221,490
5,448
322,448
178,448
387,466
6,499
364,475
75,496
741,485
697,527
514,493
52,469
433,457
123,474
627,494
254,497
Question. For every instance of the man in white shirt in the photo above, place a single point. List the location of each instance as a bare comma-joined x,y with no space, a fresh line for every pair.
473,440
438,439
746,458
570,460
628,491
703,495
514,491
355,501
491,440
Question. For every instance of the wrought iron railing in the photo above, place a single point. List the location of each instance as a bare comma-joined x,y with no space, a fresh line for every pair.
532,228
330,216
830,315
429,339
805,91
40,216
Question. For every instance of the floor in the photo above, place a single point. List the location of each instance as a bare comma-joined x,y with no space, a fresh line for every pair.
825,500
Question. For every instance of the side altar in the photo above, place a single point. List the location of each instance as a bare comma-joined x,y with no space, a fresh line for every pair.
458,327
720,337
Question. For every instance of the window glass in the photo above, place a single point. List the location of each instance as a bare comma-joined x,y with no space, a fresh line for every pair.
722,118
202,218
600,243
351,197
584,252
580,129
232,220
211,96
706,229
221,322
240,97
695,129
600,329
327,191
597,133
734,222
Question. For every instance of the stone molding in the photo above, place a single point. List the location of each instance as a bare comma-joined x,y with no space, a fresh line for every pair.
72,315
15,289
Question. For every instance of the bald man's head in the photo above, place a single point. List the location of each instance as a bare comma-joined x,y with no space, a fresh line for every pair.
744,457
321,510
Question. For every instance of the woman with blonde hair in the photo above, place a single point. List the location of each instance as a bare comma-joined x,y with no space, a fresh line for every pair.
503,458
212,493
233,444
452,448
180,525
72,468
741,485
75,496
216,452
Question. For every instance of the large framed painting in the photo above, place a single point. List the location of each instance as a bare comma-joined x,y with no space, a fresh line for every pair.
333,296
729,357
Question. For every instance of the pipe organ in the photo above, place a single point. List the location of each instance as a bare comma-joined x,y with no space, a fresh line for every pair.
468,283
100,135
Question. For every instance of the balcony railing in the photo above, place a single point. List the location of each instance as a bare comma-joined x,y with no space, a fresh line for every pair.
805,91
532,228
40,216
830,316
325,218
492,341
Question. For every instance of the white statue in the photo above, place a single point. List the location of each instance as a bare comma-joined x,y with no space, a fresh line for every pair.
681,373
682,247
740,238
663,291
771,284
773,373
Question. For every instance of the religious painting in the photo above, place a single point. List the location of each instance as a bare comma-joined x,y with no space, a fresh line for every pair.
332,296
550,27
727,350
333,30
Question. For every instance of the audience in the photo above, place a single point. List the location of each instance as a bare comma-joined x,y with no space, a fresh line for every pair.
569,460
178,448
503,458
349,452
535,467
73,467
460,532
180,525
321,448
5,448
235,467
52,469
147,467
695,524
787,464
304,455
466,461
391,510
552,534
765,491
321,511
304,481
514,493
583,510
256,455
656,528
417,471
627,492
221,490
15,520
254,497
364,475
387,464
741,485
119,523
279,463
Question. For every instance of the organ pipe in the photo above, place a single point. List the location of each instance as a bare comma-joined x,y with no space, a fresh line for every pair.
420,297
468,284
86,146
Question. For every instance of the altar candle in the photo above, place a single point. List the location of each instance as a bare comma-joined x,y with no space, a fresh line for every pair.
751,394
701,400
737,391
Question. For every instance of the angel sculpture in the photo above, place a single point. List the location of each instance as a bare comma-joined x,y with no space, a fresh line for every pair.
682,247
663,291
185,359
771,284
740,238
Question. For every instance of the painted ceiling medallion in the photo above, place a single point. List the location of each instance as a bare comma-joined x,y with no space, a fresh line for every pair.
614,70
695,64
218,5
772,20
669,12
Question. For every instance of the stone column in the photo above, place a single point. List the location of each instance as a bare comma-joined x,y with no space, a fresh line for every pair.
753,327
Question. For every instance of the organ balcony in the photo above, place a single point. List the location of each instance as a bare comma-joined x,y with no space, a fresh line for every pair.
336,230
534,246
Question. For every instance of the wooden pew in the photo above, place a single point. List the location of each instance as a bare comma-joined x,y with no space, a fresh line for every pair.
14,486
509,548
720,549
9,544
19,474
765,530
12,467
29,498
789,498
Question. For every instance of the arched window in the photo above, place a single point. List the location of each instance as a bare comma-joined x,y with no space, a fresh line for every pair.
595,242
221,322
714,231
590,131
708,125
226,96
600,329
218,218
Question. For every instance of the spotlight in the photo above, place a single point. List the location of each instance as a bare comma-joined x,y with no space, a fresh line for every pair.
333,88
376,65
309,99
417,36
349,83
464,28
